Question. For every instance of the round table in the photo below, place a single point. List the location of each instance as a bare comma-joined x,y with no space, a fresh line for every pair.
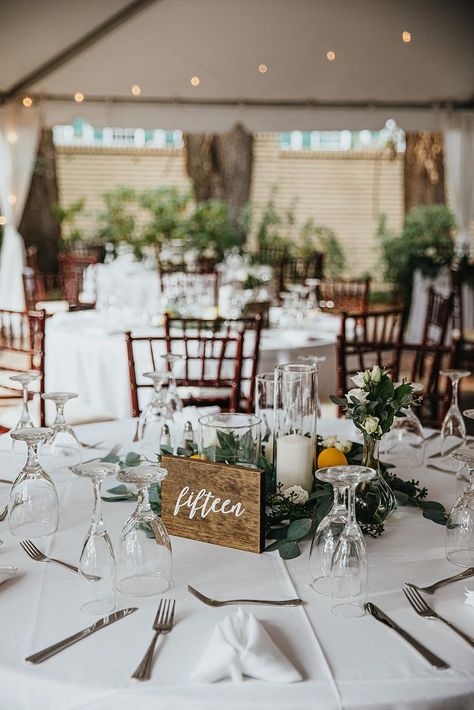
351,664
86,353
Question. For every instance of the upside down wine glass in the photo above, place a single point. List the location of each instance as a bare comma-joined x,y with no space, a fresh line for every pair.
453,423
328,532
97,561
172,360
349,562
24,379
33,507
460,524
62,445
158,409
144,564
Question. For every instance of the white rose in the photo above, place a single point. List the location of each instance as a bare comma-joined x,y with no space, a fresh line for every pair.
376,374
329,442
358,379
300,496
371,424
359,394
343,445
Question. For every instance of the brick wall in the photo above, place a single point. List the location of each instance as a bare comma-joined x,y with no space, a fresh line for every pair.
345,191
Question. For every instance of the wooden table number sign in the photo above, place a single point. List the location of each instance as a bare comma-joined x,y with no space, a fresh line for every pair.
214,502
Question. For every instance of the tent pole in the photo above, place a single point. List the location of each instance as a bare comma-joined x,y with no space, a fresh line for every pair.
77,47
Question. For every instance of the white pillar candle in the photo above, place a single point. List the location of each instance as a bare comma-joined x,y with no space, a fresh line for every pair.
268,450
294,461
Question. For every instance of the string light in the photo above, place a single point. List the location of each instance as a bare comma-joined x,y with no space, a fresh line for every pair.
78,97
136,89
3,220
262,68
27,102
330,56
406,36
12,137
195,81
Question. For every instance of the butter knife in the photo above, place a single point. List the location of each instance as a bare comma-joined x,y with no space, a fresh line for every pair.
41,656
440,455
432,659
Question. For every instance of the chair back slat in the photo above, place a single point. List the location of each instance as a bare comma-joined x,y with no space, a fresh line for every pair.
438,317
338,295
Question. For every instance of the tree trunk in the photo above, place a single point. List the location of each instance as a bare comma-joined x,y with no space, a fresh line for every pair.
220,166
424,169
39,226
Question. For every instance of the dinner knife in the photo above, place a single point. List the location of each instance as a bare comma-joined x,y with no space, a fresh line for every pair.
440,455
432,659
41,656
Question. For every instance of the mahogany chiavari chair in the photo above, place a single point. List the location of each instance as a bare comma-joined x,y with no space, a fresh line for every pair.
22,349
367,339
338,295
296,269
219,365
71,274
438,317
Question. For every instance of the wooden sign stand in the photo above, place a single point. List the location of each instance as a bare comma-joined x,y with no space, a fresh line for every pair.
214,502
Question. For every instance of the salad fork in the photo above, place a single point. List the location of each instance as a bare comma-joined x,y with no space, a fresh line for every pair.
113,452
3,513
162,624
35,554
214,602
431,588
425,611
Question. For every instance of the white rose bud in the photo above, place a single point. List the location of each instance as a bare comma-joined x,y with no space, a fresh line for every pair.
300,496
329,442
371,424
358,379
359,394
344,445
376,374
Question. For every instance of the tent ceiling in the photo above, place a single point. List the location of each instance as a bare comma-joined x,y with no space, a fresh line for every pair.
223,42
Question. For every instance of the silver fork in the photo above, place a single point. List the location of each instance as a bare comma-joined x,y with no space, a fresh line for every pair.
431,588
90,446
162,625
3,513
36,555
214,602
424,610
113,452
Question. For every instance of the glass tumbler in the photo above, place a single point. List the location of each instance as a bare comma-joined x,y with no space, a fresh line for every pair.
230,438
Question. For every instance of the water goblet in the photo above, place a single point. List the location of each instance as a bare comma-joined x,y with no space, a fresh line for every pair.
144,563
349,562
97,561
33,507
24,378
406,434
158,410
62,446
328,532
460,524
453,423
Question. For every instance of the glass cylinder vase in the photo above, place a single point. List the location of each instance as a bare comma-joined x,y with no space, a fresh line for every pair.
230,438
386,502
294,424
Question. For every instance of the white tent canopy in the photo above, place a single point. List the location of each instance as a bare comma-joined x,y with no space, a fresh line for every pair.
375,75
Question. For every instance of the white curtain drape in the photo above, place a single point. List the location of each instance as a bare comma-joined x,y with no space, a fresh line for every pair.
458,131
19,135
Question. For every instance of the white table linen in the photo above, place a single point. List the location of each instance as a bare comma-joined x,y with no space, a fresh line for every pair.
350,664
86,353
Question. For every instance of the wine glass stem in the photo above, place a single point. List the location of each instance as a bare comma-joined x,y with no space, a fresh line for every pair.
59,414
32,461
454,402
24,411
351,505
143,505
97,524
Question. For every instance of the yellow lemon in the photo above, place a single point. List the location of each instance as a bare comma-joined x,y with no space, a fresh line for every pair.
201,457
331,457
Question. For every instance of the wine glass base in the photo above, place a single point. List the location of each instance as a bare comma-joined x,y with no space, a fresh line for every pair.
322,585
142,585
348,610
461,558
98,607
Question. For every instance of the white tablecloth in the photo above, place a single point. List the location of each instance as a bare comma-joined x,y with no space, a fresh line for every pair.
353,664
85,353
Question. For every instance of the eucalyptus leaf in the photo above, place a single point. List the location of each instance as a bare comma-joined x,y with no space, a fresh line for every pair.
437,516
111,458
299,528
289,549
166,450
273,546
278,533
401,498
132,459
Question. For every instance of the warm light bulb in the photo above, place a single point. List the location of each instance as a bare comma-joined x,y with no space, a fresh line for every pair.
262,68
12,137
3,220
195,81
330,56
78,97
27,102
406,36
136,90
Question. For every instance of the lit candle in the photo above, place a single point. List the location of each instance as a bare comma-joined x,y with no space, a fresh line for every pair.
294,461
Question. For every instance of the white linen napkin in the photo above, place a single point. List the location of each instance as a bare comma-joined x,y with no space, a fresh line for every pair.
469,594
7,572
240,646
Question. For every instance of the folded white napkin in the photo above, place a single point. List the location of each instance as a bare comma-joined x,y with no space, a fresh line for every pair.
469,594
240,646
7,572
